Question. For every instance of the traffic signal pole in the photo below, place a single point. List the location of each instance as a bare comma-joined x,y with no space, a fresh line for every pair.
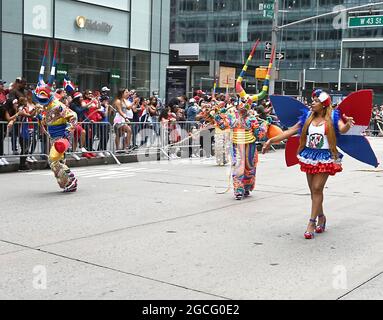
274,41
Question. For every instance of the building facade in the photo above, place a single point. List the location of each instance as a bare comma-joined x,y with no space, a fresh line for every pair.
118,43
324,52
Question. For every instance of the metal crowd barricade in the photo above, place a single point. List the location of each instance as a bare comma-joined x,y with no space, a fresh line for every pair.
94,137
23,139
170,139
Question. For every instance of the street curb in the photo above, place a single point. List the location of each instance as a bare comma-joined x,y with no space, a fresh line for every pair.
72,163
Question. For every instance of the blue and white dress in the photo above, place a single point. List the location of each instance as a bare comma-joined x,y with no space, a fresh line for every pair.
316,157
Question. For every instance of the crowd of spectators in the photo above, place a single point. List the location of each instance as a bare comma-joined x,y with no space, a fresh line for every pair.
99,115
17,114
102,118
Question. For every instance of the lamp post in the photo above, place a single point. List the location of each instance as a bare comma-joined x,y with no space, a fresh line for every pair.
356,82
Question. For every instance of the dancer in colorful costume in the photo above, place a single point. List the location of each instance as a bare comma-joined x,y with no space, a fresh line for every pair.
320,131
60,122
246,131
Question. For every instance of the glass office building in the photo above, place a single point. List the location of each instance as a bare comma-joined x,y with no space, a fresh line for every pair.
324,52
118,43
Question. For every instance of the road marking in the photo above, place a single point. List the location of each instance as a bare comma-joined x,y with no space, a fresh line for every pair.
104,173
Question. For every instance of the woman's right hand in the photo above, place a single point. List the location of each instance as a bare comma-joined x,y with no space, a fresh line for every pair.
266,146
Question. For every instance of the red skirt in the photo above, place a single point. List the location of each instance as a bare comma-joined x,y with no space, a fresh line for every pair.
331,168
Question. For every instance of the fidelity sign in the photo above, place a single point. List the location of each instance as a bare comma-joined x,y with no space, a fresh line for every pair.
84,23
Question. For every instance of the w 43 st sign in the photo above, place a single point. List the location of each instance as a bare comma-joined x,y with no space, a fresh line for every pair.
365,21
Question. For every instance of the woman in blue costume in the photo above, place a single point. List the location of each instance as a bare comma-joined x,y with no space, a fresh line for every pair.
317,154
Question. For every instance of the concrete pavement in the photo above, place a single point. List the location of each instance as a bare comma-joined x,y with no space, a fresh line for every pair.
159,230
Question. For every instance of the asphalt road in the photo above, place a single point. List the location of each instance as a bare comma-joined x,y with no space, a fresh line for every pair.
159,230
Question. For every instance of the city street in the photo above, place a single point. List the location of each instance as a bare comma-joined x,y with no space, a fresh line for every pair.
161,230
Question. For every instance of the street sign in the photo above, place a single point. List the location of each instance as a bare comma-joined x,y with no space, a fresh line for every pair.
268,14
268,9
278,55
268,46
365,21
266,6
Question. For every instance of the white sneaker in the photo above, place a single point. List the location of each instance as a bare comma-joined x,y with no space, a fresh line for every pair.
83,150
34,159
29,159
4,161
76,157
101,155
2,164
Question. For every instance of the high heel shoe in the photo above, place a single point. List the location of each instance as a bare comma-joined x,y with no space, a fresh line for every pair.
322,227
310,235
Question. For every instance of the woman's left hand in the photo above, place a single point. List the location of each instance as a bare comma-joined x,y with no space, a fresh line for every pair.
349,120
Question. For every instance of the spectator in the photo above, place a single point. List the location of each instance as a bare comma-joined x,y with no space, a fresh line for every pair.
92,115
376,117
168,120
199,95
3,93
160,105
26,115
33,127
12,107
79,133
105,93
103,132
4,117
179,101
149,118
60,95
136,110
154,108
77,106
19,89
192,110
121,120
10,114
262,110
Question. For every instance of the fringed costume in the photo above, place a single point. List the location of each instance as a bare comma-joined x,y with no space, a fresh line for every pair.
60,122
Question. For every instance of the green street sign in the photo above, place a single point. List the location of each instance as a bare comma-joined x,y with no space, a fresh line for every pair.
365,21
266,6
268,14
